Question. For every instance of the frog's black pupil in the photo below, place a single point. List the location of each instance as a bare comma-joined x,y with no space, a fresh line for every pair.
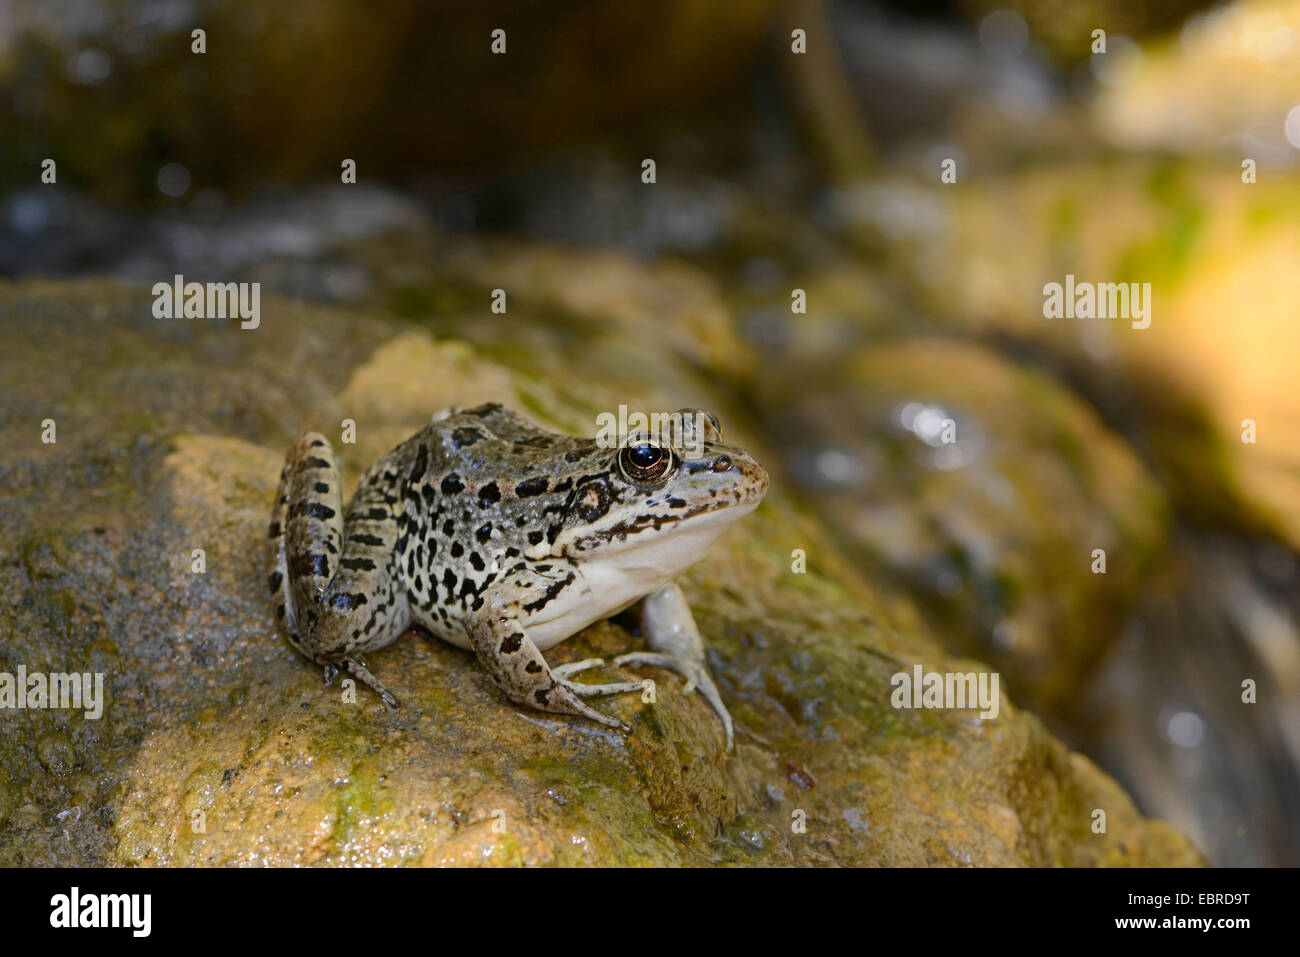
646,456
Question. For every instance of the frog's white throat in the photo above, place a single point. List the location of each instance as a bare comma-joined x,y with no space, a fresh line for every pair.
622,572
647,561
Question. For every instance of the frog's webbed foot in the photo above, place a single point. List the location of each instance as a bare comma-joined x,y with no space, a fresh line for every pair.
335,592
671,633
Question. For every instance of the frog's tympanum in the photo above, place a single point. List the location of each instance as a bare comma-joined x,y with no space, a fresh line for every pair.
505,539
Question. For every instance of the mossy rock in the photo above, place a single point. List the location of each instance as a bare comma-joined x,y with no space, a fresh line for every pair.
220,746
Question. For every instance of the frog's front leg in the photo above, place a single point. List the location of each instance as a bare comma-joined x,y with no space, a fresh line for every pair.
337,591
674,642
496,630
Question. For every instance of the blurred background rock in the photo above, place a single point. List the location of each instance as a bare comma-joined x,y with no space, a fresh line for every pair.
819,172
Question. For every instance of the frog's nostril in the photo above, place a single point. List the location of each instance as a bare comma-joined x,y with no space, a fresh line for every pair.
722,463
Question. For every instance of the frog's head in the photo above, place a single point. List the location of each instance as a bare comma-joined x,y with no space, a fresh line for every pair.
663,497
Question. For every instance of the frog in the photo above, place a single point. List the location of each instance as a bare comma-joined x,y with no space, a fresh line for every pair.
501,538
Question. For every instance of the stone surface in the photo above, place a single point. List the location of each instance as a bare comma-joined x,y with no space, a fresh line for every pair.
170,435
1219,347
987,488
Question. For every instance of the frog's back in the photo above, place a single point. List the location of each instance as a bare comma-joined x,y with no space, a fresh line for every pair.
478,490
487,442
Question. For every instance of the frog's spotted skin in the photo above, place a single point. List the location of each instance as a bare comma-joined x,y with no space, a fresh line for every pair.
502,538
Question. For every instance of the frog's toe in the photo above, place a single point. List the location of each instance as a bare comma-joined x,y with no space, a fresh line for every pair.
566,700
362,674
688,669
697,678
616,687
563,671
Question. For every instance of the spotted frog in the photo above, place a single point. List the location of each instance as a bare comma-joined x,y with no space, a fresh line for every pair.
504,539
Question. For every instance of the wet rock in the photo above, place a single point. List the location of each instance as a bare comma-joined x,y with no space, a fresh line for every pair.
989,490
55,753
1207,399
6,800
1195,706
222,746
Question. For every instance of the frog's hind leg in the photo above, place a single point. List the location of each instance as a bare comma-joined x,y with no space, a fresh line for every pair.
674,642
306,532
496,631
322,581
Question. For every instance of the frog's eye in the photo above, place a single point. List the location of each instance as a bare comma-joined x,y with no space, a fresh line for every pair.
644,462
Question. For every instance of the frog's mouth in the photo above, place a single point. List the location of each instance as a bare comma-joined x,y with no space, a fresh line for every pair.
687,532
